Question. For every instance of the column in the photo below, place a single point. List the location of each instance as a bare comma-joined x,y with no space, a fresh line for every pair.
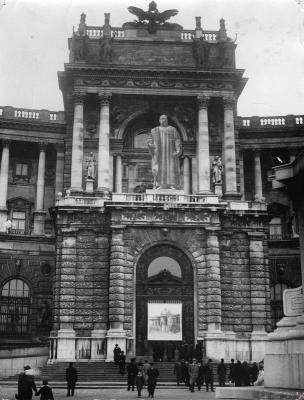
4,184
213,289
104,145
229,149
116,332
118,174
242,181
187,175
258,193
39,214
203,146
77,145
59,169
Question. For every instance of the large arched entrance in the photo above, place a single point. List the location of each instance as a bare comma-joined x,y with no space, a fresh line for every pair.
164,302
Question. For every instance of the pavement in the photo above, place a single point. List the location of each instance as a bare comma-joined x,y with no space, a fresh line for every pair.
8,393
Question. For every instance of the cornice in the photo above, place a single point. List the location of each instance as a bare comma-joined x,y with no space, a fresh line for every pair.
32,125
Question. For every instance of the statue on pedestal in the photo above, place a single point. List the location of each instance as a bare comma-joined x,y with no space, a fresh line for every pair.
165,147
217,170
91,167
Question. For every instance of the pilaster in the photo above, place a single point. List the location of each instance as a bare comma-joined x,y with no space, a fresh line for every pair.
104,145
203,146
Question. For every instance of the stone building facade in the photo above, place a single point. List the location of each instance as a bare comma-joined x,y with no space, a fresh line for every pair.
87,244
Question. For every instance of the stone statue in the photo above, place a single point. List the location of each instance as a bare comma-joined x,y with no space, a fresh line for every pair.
165,147
152,16
217,170
105,52
201,50
91,167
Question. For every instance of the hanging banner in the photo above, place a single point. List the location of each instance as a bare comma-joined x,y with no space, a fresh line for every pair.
164,321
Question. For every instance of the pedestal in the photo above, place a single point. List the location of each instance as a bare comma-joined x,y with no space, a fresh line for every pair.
39,219
98,349
3,219
115,337
66,345
218,189
89,185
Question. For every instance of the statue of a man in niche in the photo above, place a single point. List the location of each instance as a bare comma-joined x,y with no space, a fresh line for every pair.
217,170
91,167
164,145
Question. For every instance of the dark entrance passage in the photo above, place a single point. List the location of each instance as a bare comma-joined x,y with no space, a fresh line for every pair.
164,303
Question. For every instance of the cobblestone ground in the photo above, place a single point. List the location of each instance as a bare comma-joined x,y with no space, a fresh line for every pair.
117,394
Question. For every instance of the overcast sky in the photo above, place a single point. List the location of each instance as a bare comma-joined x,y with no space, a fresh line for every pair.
33,46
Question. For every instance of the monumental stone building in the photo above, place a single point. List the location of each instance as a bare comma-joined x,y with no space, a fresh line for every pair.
91,241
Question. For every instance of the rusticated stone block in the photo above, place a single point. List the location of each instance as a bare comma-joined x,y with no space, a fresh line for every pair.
118,277
116,315
116,303
116,297
116,290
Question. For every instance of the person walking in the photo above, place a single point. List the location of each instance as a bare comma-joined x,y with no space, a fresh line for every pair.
209,376
221,372
140,382
146,366
246,374
116,353
122,363
254,371
201,375
132,371
177,371
231,375
193,370
71,378
45,392
26,384
238,373
152,380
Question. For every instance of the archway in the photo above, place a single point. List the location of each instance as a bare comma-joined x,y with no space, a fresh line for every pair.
164,302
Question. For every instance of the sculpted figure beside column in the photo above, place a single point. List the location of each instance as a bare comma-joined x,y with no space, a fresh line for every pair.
165,147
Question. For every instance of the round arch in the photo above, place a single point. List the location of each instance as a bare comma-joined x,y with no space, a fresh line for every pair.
164,288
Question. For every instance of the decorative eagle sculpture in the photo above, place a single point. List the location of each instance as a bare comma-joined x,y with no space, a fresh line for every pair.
153,17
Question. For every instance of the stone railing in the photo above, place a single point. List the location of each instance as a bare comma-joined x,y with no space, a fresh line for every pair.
96,32
8,112
164,198
271,122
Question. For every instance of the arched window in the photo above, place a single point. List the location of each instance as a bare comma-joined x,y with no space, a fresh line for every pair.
14,308
160,264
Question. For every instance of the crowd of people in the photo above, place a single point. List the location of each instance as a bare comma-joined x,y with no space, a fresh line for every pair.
196,373
193,374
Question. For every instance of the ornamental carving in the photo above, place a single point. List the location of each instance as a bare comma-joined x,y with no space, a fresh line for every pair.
188,118
119,113
105,49
200,51
172,216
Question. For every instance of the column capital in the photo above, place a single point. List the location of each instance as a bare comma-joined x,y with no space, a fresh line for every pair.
42,146
6,143
228,102
78,97
105,98
203,101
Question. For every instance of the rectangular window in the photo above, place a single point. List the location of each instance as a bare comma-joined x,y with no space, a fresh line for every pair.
18,221
275,229
22,170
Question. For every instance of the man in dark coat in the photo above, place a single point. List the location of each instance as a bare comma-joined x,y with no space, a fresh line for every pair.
116,354
26,385
238,373
209,375
231,375
152,379
132,370
122,363
71,378
221,371
178,372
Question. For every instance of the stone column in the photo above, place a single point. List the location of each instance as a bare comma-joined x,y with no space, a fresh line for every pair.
213,290
242,182
65,284
104,145
203,146
187,175
59,169
4,184
77,145
39,214
116,332
258,193
194,175
118,174
229,149
258,282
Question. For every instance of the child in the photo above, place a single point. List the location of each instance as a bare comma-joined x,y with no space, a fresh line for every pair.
45,392
140,382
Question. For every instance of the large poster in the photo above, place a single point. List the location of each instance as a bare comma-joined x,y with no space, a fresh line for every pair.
164,321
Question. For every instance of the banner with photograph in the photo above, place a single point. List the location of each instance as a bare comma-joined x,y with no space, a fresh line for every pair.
164,321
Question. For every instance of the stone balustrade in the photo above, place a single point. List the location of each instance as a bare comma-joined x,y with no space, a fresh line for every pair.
8,112
96,32
271,122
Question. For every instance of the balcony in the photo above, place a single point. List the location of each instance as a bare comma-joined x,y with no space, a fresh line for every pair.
22,114
271,122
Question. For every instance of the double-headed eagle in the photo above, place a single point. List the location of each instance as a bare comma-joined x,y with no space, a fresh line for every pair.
153,17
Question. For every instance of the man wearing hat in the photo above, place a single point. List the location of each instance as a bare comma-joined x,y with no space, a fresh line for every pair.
26,385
